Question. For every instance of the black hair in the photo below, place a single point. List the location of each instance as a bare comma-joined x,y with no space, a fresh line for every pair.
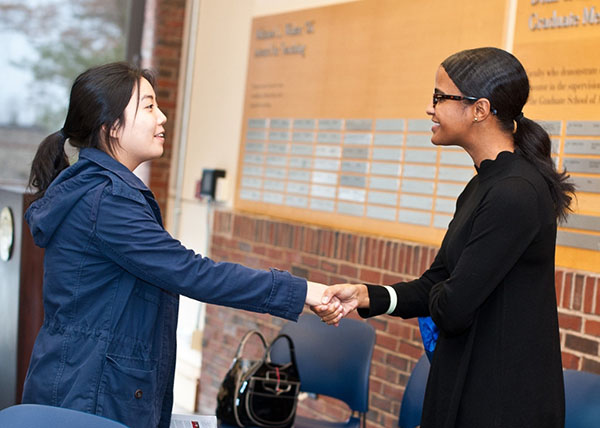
97,105
497,75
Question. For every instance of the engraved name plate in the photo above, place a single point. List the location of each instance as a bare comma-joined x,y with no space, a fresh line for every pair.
279,135
552,127
273,198
350,194
455,158
387,154
419,202
304,123
296,201
328,151
382,198
276,160
583,147
355,166
450,190
333,124
280,123
359,124
299,175
329,137
445,205
578,240
355,152
326,164
381,183
304,163
419,171
419,125
252,170
257,123
252,182
357,139
256,135
582,165
303,137
583,127
350,209
322,191
388,139
389,125
353,180
300,188
324,177
302,149
278,186
414,217
584,222
381,168
418,141
441,221
419,187
587,184
381,213
278,148
255,147
421,156
455,174
321,205
250,195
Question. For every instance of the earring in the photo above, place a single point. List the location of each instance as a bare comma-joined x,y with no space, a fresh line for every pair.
475,119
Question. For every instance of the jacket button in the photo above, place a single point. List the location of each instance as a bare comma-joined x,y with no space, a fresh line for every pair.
138,393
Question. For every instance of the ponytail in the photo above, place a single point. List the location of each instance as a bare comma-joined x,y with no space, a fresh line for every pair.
533,143
50,159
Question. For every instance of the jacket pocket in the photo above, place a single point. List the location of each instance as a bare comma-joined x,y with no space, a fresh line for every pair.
128,391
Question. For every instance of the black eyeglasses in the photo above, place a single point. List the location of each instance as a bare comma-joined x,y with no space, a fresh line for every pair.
438,97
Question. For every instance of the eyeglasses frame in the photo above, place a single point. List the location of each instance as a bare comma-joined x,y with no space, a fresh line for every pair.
437,97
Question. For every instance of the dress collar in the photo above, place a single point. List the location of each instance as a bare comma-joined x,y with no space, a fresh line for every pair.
489,167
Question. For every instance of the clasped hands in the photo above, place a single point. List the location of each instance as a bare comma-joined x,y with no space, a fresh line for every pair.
337,301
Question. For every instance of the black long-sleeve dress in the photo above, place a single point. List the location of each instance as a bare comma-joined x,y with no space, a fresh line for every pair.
491,292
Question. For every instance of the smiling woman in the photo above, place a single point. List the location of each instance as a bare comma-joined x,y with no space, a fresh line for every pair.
112,273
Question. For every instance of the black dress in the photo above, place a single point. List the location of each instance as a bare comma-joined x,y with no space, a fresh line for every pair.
491,292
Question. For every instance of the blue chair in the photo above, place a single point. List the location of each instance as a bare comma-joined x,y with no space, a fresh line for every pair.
582,399
412,400
38,415
332,361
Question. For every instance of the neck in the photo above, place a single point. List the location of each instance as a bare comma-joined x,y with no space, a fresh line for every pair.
488,144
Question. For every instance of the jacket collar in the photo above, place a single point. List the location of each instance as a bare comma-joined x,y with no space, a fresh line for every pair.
109,163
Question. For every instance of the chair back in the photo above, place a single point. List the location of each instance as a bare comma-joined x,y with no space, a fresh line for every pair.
38,415
332,361
582,399
412,400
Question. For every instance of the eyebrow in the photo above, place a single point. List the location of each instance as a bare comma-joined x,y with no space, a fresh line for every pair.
147,96
438,91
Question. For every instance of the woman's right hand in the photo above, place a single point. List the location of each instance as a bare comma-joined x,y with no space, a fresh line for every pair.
351,296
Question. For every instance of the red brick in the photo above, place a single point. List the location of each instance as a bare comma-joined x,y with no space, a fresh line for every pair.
410,350
581,344
317,276
592,328
568,285
401,330
310,261
558,283
589,365
578,292
329,267
386,341
370,276
569,322
588,300
348,270
380,324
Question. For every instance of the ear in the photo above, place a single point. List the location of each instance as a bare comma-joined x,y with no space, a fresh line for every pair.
481,109
114,130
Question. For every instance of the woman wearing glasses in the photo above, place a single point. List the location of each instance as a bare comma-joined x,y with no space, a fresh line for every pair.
490,289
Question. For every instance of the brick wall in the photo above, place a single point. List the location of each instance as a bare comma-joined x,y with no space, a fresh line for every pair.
163,39
330,256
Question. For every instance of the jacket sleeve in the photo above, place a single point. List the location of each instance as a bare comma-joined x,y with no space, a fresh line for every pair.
128,233
504,225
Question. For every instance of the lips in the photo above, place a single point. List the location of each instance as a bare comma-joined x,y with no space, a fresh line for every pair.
160,135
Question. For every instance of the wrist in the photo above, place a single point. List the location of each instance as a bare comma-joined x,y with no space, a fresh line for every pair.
363,296
314,293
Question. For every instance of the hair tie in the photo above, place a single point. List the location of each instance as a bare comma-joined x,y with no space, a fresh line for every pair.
519,117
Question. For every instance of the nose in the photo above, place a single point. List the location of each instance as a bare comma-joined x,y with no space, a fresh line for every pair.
162,119
430,110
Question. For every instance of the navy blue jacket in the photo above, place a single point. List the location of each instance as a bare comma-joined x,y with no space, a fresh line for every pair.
112,280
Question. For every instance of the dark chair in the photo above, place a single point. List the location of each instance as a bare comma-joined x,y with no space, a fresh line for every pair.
412,400
582,399
37,415
332,361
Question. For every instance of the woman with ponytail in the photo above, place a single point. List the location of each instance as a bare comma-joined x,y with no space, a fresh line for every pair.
490,290
112,274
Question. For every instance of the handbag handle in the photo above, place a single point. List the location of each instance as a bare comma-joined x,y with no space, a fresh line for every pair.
245,339
290,344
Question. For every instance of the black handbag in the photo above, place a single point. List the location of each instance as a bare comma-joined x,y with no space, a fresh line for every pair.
258,392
